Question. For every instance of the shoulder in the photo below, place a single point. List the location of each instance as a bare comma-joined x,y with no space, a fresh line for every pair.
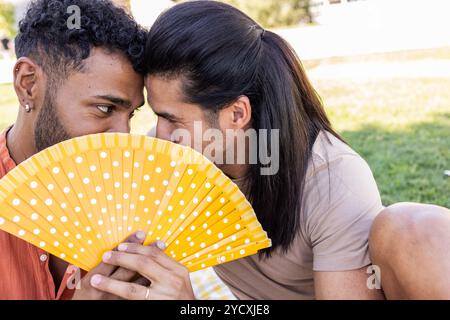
335,165
339,184
340,203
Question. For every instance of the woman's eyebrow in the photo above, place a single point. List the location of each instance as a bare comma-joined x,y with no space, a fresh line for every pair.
116,100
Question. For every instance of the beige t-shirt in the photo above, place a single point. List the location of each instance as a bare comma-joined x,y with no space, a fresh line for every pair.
341,199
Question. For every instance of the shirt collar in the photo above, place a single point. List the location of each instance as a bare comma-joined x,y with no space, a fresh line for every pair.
5,156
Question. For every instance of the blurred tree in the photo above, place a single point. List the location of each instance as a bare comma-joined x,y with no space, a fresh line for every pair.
274,13
7,19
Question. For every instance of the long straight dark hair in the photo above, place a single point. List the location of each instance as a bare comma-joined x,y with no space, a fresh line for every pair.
223,54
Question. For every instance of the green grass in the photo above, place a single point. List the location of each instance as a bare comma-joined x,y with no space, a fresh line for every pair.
400,126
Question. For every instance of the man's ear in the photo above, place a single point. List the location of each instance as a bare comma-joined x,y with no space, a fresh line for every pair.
238,115
27,79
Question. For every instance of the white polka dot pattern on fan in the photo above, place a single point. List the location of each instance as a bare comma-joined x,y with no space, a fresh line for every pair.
87,203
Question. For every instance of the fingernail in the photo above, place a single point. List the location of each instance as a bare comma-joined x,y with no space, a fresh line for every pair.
96,279
122,247
161,245
140,235
107,256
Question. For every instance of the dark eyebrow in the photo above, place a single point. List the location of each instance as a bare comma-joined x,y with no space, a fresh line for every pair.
167,116
116,100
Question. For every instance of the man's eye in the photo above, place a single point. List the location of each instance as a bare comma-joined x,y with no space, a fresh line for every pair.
171,121
105,109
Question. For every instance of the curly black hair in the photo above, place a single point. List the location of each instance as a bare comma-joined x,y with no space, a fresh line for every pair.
44,34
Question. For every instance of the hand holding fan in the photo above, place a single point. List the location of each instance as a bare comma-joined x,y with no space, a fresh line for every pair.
82,197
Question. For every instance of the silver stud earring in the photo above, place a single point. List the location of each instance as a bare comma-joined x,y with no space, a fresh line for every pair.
27,108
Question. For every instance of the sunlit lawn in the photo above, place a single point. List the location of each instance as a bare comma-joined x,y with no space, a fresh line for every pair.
400,126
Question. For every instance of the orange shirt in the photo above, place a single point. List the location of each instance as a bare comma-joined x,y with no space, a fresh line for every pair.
24,268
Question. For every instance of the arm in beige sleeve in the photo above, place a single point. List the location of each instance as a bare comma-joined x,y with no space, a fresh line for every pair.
338,230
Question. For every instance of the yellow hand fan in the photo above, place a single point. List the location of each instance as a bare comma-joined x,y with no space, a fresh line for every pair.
84,196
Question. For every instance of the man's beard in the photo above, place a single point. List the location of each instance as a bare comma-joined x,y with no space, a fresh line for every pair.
49,129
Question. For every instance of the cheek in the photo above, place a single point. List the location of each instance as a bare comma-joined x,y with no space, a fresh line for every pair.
120,122
86,128
79,122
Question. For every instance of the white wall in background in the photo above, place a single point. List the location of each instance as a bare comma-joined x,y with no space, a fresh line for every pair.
370,26
377,12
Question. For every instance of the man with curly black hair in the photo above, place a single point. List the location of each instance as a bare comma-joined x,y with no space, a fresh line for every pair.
70,80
